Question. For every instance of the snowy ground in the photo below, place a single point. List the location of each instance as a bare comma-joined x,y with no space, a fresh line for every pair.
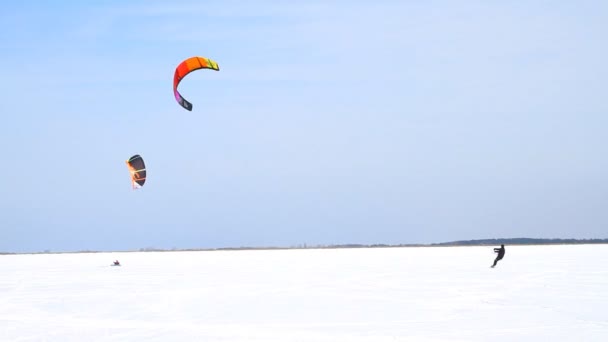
537,293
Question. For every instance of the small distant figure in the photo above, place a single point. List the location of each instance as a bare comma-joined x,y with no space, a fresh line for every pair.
501,254
116,263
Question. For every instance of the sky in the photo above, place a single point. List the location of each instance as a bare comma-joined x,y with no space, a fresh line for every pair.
329,122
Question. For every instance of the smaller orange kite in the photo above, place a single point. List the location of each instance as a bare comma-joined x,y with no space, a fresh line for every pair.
137,169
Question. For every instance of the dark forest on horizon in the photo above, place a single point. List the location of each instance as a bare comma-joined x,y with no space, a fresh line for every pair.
478,242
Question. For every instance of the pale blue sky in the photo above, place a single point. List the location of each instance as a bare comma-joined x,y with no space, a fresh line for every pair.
329,122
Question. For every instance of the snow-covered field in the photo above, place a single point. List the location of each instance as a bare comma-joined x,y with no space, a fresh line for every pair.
536,293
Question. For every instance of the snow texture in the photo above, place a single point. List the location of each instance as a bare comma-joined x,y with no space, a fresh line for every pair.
536,293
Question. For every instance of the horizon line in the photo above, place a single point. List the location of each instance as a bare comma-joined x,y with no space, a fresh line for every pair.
455,243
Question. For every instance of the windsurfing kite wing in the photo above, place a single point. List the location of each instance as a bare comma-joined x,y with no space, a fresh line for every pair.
137,169
184,68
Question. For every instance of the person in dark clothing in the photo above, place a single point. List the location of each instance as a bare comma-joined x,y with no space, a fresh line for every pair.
501,254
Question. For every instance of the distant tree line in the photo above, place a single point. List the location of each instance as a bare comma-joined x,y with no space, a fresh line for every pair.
479,242
522,241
